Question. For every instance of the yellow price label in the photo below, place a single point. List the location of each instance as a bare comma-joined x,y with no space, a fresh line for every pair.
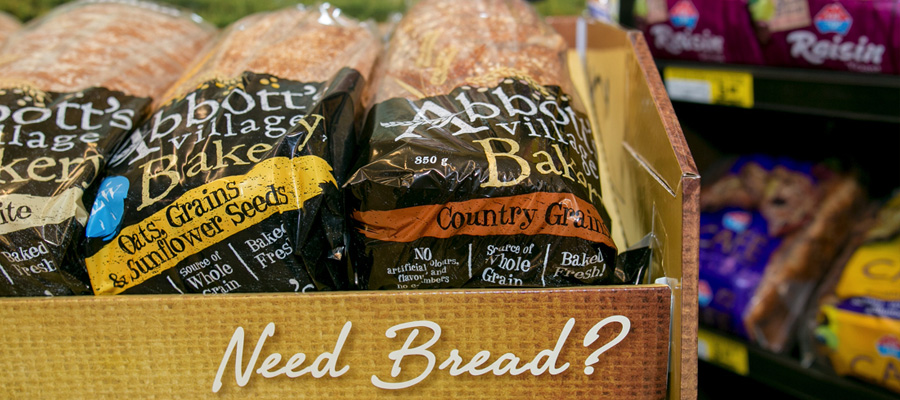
722,351
709,86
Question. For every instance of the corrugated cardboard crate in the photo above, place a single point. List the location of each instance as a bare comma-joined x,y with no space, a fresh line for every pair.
597,342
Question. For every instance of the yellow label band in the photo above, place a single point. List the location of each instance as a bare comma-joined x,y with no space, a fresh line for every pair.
723,351
204,216
22,211
730,88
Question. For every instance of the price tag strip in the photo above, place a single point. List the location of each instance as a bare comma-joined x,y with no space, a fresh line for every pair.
722,351
707,86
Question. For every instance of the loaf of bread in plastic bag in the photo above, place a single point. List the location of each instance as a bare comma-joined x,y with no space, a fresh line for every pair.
442,45
73,83
300,44
480,164
139,48
253,144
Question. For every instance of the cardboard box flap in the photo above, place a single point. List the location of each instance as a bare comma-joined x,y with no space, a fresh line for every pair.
646,159
596,342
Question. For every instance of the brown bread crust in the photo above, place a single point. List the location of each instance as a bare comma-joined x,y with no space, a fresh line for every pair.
444,44
800,262
294,43
136,48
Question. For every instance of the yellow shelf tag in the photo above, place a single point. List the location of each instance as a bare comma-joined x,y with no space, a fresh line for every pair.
722,351
709,86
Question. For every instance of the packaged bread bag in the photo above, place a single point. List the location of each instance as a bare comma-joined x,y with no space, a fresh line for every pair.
72,84
232,185
769,229
479,167
856,327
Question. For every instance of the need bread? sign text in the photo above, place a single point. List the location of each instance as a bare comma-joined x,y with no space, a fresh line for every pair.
454,362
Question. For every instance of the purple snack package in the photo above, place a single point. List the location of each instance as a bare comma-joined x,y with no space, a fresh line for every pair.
706,30
851,35
734,250
738,237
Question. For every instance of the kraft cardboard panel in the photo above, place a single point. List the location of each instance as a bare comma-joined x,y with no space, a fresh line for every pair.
611,200
173,346
651,172
689,190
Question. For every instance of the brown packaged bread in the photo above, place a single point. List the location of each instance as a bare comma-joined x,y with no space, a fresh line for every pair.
293,43
769,229
480,166
138,48
236,176
851,325
72,84
442,45
802,260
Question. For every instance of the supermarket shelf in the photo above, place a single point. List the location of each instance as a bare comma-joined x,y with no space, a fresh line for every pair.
826,93
780,372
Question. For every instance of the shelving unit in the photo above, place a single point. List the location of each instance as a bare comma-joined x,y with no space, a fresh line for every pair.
814,92
849,119
780,374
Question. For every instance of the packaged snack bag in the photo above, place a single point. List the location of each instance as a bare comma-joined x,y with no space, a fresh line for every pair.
851,35
72,85
480,168
233,184
718,31
768,230
858,319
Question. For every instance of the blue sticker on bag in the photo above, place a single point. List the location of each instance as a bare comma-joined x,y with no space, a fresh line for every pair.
106,214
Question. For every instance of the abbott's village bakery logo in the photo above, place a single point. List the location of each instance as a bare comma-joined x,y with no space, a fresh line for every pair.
496,121
455,362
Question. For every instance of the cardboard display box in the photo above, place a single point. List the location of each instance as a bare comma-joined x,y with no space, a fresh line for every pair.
596,342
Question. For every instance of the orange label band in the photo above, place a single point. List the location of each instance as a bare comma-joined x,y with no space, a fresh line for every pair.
556,214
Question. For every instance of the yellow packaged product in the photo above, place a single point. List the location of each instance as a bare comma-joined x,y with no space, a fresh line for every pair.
859,326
